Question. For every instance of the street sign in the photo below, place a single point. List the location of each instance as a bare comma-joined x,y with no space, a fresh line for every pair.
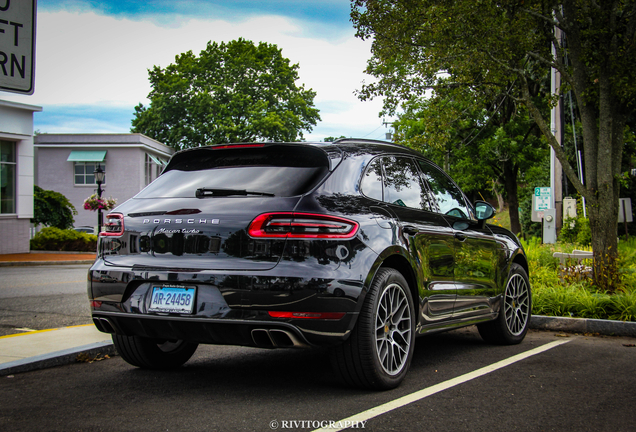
17,46
542,199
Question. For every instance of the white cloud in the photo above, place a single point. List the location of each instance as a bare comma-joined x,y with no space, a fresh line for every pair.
90,59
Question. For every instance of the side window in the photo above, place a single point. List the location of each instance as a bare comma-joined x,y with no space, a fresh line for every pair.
402,184
450,200
371,184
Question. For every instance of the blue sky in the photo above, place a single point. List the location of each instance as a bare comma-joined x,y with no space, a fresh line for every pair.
93,57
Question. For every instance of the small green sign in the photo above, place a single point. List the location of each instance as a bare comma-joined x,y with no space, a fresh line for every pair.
542,198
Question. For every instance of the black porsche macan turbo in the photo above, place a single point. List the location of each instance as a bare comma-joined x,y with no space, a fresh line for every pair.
357,245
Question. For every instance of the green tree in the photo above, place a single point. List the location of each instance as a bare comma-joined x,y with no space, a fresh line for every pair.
52,209
424,44
234,92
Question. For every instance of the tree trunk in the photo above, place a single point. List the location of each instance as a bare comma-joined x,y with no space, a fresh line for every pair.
510,171
604,228
500,201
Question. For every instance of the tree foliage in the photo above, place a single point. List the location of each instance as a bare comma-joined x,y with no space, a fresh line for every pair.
52,209
432,44
234,92
483,143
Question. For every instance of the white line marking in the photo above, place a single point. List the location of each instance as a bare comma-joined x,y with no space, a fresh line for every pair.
421,394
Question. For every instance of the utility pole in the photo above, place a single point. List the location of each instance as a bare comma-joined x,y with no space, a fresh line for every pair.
389,135
556,170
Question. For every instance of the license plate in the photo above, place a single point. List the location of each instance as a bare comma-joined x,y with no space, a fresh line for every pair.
172,300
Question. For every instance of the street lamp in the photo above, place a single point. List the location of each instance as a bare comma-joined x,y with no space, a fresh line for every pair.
99,179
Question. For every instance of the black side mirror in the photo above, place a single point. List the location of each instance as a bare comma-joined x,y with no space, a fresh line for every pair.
483,211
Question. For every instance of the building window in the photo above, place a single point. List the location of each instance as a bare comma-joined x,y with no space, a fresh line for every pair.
7,177
84,173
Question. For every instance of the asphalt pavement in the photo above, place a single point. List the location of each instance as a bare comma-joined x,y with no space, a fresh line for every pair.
53,347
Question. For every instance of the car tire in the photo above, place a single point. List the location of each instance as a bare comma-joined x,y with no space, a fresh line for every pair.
378,353
153,354
515,310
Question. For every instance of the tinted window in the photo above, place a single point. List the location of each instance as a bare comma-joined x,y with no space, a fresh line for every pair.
449,199
402,183
278,170
371,183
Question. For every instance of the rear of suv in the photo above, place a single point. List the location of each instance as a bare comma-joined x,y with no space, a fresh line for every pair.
355,245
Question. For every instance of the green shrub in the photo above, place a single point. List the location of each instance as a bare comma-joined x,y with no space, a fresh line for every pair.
55,239
540,255
51,208
576,230
624,307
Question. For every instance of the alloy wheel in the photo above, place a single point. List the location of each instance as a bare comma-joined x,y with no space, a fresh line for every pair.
393,327
517,304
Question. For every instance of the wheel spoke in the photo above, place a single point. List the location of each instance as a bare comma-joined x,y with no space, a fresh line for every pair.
516,305
393,326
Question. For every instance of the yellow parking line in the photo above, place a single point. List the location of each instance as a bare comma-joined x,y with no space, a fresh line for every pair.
42,331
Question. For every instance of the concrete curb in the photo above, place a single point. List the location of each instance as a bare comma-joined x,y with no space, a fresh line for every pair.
57,358
584,325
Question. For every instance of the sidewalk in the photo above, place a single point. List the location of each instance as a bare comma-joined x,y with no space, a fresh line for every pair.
47,348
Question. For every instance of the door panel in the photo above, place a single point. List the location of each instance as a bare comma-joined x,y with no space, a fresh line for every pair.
476,257
474,246
427,234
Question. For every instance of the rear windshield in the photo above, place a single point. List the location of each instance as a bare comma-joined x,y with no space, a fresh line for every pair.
278,170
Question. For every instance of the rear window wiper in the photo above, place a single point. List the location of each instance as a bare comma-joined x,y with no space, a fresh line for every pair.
211,192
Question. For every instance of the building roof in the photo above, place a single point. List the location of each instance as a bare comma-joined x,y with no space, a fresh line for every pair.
18,105
86,141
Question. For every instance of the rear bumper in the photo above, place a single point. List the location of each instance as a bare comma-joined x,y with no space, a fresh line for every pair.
230,308
245,332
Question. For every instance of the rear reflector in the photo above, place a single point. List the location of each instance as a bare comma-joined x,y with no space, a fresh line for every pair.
114,225
307,315
302,226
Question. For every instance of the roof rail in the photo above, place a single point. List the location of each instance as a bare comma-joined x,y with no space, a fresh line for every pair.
368,141
346,140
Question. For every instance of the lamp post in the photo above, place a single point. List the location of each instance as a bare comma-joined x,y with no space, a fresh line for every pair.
99,179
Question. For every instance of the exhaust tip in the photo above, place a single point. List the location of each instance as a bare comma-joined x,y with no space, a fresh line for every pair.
282,339
104,325
261,338
276,338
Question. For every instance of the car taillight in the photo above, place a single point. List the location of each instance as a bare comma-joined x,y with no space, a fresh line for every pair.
114,225
302,226
307,315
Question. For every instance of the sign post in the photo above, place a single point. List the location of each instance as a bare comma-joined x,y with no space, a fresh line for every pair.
542,211
625,213
17,46
541,201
